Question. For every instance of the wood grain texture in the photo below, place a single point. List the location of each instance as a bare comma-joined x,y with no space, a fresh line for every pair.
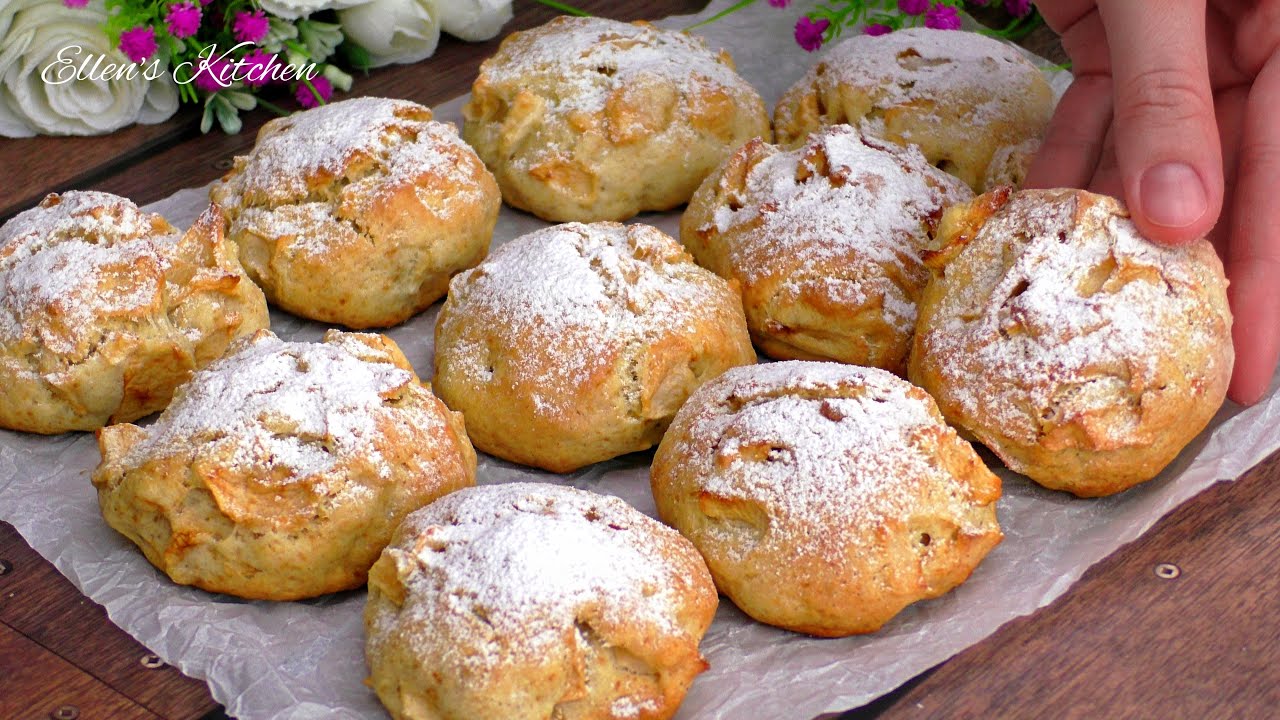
42,605
32,167
36,684
1123,642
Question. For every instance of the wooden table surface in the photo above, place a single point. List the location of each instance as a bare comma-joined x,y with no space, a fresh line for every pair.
1123,642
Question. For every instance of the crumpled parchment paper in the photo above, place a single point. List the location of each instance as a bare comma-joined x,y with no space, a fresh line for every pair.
305,659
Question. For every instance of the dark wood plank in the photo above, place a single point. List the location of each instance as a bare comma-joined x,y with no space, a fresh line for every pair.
34,167
37,684
37,601
148,163
1124,642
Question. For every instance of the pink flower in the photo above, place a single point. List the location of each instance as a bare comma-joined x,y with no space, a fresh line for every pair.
1018,8
877,29
75,3
809,33
183,20
258,65
774,3
307,99
205,2
251,26
913,7
942,17
213,75
139,43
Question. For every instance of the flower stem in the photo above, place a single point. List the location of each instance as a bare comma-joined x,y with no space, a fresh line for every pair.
567,9
723,13
273,107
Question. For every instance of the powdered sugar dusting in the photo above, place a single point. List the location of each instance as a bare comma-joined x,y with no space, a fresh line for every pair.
378,145
800,439
578,63
76,258
578,288
840,196
1067,313
286,410
531,560
922,63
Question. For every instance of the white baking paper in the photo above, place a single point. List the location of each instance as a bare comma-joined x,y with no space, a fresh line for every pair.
305,659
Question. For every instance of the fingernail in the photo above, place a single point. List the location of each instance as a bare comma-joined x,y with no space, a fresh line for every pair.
1172,195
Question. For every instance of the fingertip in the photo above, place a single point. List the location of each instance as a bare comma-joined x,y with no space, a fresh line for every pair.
1249,384
1173,204
1255,303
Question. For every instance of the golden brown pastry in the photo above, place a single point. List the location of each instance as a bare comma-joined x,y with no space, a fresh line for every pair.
826,241
105,309
1010,164
578,343
1083,355
959,96
824,497
594,119
280,471
358,212
531,601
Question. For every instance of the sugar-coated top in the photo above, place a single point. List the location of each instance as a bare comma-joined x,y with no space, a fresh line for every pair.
531,560
284,410
371,140
826,450
75,259
923,63
579,62
1070,311
841,193
581,289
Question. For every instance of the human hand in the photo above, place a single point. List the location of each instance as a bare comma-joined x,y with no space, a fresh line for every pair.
1176,108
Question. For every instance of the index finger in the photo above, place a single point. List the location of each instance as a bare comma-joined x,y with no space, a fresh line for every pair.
1253,261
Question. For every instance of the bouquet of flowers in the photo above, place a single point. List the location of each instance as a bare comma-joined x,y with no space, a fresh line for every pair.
82,67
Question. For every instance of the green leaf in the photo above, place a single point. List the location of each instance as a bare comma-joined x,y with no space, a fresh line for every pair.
357,57
564,8
280,32
321,38
240,99
206,121
228,117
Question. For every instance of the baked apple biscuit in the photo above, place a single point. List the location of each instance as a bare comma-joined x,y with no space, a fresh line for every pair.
528,602
959,96
358,212
826,241
578,343
593,119
280,471
1082,354
824,497
105,309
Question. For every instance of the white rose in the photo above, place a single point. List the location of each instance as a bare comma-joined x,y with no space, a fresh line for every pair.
474,20
393,31
294,9
37,39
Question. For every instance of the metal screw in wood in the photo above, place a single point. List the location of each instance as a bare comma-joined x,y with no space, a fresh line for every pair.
65,712
6,567
151,661
223,164
1167,571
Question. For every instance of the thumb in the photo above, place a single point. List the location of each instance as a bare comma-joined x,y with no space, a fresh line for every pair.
1166,133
